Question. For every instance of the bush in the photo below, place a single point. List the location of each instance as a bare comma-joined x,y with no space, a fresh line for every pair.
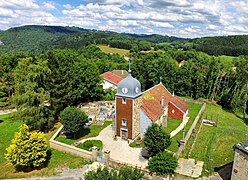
90,143
28,149
125,173
163,163
156,139
73,119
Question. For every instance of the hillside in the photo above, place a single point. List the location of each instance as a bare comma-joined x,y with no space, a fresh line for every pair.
37,39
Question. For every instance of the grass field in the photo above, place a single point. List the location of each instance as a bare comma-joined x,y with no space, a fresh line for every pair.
108,49
58,159
93,131
193,111
216,142
228,60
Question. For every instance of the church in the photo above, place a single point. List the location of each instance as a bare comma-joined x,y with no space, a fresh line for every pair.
135,111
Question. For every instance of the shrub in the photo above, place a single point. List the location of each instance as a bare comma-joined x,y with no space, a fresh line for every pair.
28,149
125,173
163,163
90,143
156,139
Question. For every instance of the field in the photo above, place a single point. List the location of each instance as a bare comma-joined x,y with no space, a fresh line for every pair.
107,49
216,142
228,60
9,126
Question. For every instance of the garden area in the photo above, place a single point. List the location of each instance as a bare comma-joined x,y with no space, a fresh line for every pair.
84,133
9,126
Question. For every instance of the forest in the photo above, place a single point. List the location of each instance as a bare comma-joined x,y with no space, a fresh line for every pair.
42,82
37,39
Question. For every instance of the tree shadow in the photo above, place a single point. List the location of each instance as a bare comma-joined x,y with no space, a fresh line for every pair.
240,116
1,121
81,133
225,171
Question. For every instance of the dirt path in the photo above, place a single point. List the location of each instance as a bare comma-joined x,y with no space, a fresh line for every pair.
7,111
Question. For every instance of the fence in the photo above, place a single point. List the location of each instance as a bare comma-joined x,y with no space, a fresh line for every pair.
191,130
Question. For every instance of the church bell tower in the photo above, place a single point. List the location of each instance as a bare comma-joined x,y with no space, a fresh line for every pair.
127,104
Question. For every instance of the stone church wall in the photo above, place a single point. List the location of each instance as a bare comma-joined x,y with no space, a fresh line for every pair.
136,116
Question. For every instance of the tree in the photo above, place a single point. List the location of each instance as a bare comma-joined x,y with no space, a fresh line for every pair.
156,139
125,173
28,149
73,119
31,97
163,163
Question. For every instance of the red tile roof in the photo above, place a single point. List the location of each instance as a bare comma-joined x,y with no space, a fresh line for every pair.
151,101
109,76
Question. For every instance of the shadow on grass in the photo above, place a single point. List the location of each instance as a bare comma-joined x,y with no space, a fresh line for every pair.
239,115
225,171
81,133
1,121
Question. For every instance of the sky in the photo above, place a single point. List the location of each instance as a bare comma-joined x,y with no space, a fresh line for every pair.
181,18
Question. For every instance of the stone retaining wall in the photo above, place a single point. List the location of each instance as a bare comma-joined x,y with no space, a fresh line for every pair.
70,149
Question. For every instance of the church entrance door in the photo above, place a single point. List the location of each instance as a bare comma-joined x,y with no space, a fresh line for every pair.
124,134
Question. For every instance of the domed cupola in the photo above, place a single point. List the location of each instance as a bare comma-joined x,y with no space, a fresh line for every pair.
129,87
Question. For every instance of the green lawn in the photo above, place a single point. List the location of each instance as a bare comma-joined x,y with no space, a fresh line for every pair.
58,159
90,143
93,131
108,49
172,124
193,111
219,140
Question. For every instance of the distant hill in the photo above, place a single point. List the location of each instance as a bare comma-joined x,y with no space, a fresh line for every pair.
37,39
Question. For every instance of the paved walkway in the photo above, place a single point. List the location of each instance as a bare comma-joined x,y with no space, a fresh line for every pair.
180,127
119,149
188,167
7,111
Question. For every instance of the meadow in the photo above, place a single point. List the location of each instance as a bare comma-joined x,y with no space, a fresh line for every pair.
107,49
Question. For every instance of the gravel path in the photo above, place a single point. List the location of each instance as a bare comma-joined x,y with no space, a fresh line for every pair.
7,111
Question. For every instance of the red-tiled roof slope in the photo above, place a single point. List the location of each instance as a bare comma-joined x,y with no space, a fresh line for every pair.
109,76
151,101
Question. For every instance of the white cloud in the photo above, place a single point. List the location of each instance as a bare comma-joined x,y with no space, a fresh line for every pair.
186,18
48,6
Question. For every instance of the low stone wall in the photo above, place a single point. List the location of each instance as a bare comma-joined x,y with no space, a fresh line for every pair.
191,130
147,175
70,149
191,100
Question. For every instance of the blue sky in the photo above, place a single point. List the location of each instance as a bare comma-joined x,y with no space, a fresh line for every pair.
181,18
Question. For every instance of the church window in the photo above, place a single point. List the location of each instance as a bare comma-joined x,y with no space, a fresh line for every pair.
173,111
123,122
123,100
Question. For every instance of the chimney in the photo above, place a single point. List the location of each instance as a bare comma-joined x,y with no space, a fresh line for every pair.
162,101
173,93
